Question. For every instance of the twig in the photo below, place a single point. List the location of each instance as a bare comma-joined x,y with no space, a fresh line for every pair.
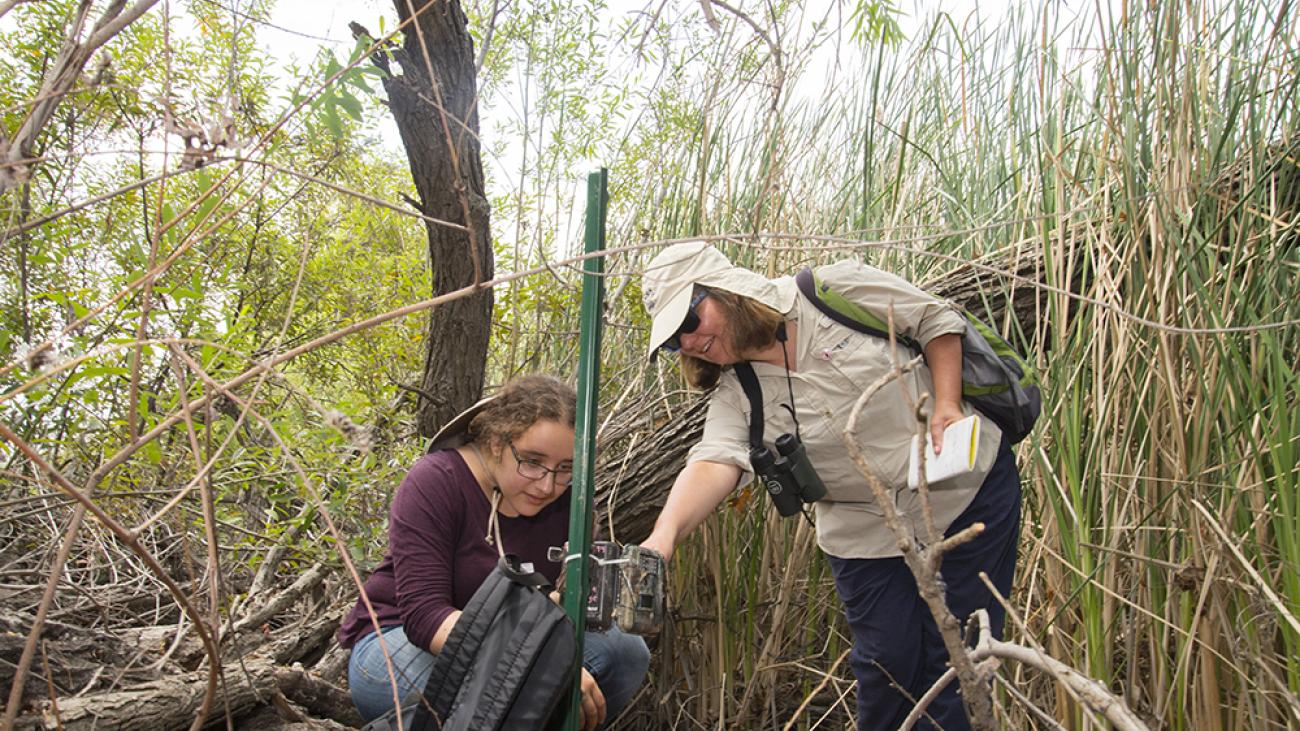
305,583
924,563
808,699
209,509
1038,713
49,686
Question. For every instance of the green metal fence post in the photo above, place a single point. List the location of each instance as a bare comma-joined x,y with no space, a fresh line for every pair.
584,452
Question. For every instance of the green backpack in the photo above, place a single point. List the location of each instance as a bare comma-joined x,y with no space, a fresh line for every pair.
994,378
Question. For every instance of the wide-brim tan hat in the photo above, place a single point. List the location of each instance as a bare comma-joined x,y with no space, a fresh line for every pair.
670,279
454,433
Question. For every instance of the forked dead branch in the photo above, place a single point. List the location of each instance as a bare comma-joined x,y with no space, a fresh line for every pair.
973,668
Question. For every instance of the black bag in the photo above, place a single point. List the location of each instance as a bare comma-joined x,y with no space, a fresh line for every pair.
509,662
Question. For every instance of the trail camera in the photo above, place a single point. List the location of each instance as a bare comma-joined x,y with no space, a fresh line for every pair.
627,588
640,608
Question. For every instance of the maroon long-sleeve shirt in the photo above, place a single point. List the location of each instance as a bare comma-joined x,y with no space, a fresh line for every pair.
437,551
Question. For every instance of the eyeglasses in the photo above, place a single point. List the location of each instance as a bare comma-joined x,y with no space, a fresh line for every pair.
534,470
689,324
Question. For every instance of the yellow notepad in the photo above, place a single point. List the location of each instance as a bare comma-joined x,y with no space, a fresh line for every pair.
960,448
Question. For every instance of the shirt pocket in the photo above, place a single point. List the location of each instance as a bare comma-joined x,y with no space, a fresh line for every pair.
855,358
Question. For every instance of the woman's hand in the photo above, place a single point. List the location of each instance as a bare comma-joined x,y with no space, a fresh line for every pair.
660,542
944,414
593,703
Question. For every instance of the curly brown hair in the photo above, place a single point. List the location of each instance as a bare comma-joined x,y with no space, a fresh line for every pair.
523,402
753,327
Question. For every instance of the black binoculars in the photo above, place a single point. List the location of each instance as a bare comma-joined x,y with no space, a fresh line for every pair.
787,476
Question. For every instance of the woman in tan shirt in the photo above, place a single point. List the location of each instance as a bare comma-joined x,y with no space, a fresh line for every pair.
811,370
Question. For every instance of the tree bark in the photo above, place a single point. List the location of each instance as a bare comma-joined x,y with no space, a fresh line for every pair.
170,703
272,666
435,104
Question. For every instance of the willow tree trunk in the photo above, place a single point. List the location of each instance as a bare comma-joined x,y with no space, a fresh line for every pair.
435,103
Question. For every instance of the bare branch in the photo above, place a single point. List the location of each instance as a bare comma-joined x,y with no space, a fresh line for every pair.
62,75
1090,692
924,562
306,582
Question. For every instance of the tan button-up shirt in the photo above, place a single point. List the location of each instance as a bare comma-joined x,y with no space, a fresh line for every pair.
834,366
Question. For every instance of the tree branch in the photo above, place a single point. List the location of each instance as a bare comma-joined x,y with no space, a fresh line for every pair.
62,75
924,562
1090,692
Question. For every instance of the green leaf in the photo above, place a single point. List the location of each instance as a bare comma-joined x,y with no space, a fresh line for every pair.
206,206
331,119
350,104
332,66
358,50
357,77
93,371
152,452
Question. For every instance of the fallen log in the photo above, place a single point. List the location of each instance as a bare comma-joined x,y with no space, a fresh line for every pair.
170,704
171,694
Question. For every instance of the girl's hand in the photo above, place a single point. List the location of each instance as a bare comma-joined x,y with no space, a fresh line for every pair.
593,703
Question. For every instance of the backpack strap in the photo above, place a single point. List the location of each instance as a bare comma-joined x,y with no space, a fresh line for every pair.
514,570
814,291
531,631
753,392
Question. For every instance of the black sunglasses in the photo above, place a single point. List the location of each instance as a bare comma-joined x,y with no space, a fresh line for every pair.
689,324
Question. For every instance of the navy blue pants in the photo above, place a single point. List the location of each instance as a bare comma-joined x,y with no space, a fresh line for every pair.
897,651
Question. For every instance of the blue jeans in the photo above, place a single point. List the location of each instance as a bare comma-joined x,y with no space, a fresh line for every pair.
618,661
897,651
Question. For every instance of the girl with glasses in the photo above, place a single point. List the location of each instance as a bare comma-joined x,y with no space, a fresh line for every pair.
499,473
